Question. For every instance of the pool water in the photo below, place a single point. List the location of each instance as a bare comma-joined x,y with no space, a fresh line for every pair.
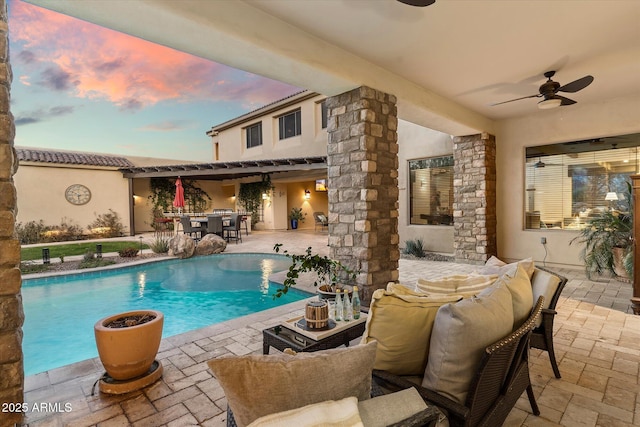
60,311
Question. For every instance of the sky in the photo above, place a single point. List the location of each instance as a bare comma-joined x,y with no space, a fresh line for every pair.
78,86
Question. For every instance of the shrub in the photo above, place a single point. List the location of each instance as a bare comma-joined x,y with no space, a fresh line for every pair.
414,247
31,232
88,256
66,231
107,225
160,245
129,252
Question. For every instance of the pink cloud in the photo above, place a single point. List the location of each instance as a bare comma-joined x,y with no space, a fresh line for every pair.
89,61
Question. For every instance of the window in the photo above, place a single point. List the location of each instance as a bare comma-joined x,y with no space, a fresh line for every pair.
569,184
431,191
254,135
324,113
290,124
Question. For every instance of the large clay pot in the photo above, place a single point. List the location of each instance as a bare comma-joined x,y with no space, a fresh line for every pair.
128,352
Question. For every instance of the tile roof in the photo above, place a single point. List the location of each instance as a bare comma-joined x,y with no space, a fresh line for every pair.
71,158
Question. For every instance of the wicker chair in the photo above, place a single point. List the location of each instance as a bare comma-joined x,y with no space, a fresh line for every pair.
320,220
542,336
501,378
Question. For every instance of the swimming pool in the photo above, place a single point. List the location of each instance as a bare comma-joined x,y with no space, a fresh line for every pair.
60,311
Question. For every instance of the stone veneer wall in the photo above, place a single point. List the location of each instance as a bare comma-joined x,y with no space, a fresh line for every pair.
474,200
363,185
11,314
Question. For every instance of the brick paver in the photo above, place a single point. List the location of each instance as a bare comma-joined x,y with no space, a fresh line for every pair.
597,347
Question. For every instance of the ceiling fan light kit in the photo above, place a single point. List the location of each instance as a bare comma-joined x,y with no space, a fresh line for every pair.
549,103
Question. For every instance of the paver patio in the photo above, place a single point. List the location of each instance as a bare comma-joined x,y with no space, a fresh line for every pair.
597,345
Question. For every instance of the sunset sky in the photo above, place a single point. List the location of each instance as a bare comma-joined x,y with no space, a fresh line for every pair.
78,86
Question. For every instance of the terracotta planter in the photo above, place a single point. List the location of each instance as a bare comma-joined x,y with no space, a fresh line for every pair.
128,352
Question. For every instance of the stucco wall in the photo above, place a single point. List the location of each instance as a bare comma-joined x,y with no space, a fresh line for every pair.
312,141
317,202
573,123
42,190
416,142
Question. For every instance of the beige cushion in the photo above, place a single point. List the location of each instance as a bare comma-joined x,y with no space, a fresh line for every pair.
521,294
464,284
461,333
544,284
257,385
331,413
401,321
496,266
391,408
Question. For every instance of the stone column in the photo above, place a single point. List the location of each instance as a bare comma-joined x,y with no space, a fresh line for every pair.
474,200
362,165
11,314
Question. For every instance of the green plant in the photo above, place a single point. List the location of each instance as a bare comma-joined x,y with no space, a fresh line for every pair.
297,214
129,252
610,230
66,231
328,271
107,224
414,247
89,255
61,259
250,196
163,191
160,245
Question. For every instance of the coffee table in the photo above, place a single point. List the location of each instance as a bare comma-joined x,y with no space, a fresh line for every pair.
287,335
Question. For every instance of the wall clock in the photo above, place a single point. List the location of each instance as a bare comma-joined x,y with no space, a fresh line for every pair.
77,194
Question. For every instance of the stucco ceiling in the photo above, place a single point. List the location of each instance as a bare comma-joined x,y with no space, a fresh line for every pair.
447,63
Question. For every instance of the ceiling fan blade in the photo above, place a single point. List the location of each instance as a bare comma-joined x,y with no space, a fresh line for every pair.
418,3
565,101
576,85
517,99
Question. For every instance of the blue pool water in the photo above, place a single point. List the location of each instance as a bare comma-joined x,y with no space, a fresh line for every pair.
60,311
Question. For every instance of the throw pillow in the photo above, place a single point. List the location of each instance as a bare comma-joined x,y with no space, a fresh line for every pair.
257,385
401,321
521,294
461,333
544,284
496,266
464,284
331,413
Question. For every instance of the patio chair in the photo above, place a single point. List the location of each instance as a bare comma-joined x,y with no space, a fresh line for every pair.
499,381
320,220
232,231
188,228
542,335
214,224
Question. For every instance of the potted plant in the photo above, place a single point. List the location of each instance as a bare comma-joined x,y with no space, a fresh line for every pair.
128,342
608,242
296,215
330,274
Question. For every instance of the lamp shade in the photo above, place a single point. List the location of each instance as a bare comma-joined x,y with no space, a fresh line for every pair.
611,196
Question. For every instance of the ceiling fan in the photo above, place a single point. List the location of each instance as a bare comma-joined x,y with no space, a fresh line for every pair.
418,3
549,91
541,164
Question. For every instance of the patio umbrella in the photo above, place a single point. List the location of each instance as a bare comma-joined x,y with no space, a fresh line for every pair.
178,201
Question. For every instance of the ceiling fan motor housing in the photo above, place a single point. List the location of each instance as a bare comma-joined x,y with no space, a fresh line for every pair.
549,89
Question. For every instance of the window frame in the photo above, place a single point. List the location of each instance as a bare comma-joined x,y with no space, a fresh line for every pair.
248,135
441,202
282,124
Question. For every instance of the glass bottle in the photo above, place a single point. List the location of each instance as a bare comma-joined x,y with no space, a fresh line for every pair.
338,305
355,303
347,311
